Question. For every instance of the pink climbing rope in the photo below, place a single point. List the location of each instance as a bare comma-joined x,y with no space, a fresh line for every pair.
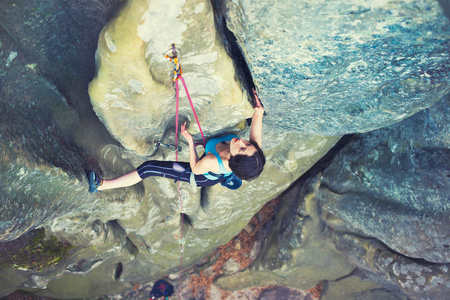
193,109
178,184
177,91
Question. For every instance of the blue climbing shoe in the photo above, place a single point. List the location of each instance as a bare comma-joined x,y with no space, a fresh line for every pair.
94,182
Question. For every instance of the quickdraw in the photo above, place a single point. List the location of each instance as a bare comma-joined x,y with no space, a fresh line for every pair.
172,54
171,147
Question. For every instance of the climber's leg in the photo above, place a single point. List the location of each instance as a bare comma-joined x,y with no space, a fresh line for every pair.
172,170
167,169
125,180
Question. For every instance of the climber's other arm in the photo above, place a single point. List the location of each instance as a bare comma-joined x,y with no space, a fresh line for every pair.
256,127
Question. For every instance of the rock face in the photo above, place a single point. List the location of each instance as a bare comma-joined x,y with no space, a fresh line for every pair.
343,67
392,185
133,92
372,222
416,279
50,136
46,63
52,130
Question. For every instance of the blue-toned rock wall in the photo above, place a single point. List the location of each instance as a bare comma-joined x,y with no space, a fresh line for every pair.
343,67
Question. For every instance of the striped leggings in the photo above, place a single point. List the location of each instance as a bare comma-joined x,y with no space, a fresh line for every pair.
172,170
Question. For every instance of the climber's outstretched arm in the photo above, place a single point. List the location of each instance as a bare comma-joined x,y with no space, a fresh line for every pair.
256,127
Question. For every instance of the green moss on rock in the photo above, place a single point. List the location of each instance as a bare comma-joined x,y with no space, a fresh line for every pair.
33,251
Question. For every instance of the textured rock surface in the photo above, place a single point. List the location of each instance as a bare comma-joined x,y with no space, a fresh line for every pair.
416,279
50,136
298,250
133,92
44,71
392,185
343,67
50,133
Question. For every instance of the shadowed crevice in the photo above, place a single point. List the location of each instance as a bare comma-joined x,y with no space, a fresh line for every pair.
230,43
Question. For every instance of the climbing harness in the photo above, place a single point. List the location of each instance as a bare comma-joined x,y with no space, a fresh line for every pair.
172,54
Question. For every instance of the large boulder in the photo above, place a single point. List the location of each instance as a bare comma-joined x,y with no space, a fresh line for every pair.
341,67
46,55
392,186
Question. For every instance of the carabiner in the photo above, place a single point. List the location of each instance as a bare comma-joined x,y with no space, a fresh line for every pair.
172,53
171,147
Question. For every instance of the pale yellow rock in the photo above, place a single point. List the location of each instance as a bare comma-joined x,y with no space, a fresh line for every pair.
133,92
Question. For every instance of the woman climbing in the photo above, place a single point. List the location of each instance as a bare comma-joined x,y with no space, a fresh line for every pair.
224,156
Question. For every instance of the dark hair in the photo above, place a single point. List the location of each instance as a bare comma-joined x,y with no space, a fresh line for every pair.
248,167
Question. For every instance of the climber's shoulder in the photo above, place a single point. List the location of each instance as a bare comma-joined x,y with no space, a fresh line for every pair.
207,163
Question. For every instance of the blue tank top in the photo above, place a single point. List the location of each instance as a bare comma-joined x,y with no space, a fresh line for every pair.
211,148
